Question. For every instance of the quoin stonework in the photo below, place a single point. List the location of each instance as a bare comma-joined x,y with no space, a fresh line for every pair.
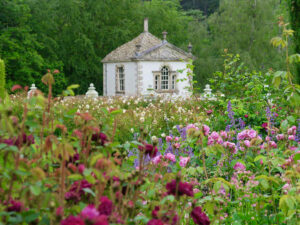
146,64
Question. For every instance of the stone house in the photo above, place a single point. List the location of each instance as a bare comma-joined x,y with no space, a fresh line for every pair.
146,63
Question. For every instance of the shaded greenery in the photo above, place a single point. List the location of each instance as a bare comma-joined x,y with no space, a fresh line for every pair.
2,79
74,35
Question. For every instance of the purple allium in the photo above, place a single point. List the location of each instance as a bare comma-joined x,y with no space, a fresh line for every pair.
183,188
106,206
155,222
199,217
89,213
239,166
72,220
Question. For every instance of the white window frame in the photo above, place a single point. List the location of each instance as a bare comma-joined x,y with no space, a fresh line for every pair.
164,80
120,81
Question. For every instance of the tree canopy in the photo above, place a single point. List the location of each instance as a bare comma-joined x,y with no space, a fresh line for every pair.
74,35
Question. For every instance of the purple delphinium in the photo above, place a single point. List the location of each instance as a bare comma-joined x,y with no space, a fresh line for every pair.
298,132
160,144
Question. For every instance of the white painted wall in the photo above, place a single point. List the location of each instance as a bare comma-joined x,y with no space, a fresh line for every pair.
130,70
150,66
147,69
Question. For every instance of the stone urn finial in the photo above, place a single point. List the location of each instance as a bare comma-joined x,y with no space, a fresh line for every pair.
91,93
31,91
207,90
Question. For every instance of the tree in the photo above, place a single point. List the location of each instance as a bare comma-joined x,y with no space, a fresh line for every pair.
2,79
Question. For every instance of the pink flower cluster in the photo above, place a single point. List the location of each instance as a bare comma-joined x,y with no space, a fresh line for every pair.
92,215
214,138
239,166
247,134
183,161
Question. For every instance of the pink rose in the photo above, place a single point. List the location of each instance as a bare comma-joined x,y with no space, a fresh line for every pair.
184,161
169,138
247,143
292,137
280,137
177,145
170,157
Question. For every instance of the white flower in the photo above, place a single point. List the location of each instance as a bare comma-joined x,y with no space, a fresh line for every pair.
132,130
142,119
163,135
154,138
124,110
87,106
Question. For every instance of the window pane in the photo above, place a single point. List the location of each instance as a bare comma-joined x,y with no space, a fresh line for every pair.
173,82
164,78
156,82
121,79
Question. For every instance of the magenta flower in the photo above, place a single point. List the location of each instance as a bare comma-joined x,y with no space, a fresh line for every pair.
100,138
106,206
155,212
199,217
14,206
76,191
155,222
239,166
89,213
101,220
72,220
59,211
183,188
81,168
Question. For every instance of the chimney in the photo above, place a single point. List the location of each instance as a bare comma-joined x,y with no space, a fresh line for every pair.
138,49
190,47
165,35
146,25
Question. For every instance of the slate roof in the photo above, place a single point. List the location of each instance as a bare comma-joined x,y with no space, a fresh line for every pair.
148,44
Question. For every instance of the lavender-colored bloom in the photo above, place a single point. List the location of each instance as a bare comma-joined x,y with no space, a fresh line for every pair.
298,132
241,124
160,144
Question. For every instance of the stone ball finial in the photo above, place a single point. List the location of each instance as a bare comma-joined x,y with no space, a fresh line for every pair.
91,93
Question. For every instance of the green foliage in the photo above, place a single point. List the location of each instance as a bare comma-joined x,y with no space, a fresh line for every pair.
2,79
